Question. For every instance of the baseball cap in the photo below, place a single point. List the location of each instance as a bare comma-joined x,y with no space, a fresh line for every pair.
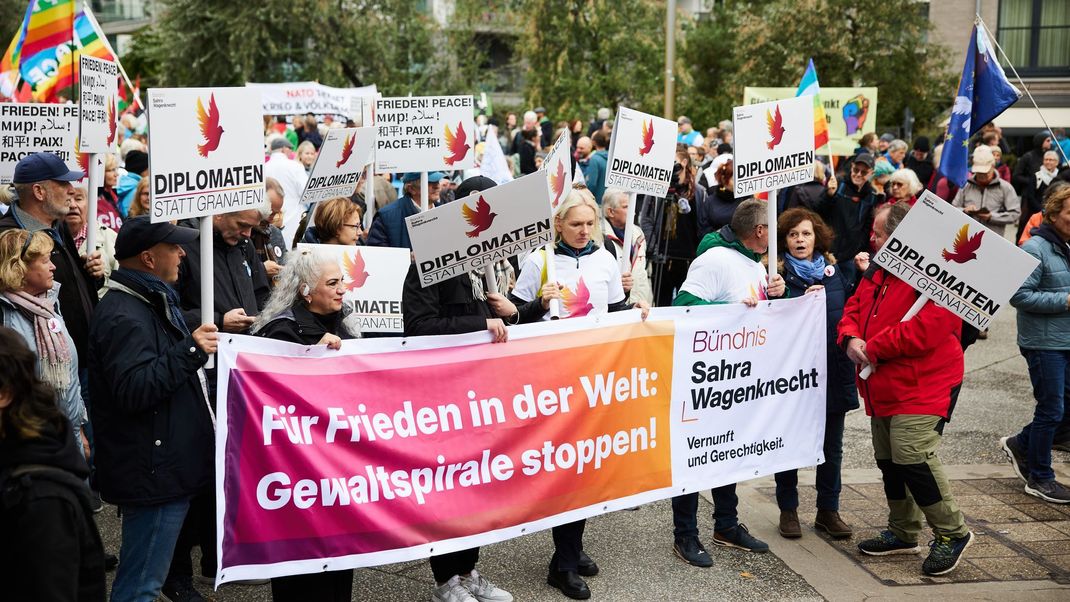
472,185
38,167
414,176
983,160
281,142
865,158
136,162
139,234
887,137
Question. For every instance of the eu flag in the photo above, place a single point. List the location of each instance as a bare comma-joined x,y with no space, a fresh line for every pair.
984,93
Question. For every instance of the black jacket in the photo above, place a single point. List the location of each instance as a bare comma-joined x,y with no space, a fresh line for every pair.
240,280
150,417
447,307
78,290
298,325
51,547
922,168
1028,164
806,195
849,212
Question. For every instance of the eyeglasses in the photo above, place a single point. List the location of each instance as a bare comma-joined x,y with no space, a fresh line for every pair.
354,226
896,184
859,170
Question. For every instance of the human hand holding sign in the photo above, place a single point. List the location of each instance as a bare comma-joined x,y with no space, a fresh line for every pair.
94,265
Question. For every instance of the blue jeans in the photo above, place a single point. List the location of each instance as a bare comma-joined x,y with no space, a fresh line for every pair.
1050,373
685,511
828,474
149,536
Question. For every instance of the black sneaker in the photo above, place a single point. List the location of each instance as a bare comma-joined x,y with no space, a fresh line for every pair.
1016,456
944,554
690,550
740,537
181,591
1050,491
1063,445
95,502
885,544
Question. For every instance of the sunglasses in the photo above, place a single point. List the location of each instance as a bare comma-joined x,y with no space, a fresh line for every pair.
859,170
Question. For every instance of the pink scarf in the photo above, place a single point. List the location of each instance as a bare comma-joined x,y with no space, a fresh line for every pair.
52,349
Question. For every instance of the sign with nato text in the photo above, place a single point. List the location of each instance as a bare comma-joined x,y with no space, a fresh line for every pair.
341,160
641,153
424,133
774,145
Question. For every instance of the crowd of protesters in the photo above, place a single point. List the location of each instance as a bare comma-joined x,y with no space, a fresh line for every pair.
104,394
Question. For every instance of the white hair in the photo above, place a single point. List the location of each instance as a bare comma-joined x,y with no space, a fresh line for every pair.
908,177
302,267
530,117
128,145
897,145
611,198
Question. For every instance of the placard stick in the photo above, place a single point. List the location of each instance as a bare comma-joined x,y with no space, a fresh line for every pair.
207,277
424,204
91,228
490,280
369,196
551,276
913,311
771,230
626,259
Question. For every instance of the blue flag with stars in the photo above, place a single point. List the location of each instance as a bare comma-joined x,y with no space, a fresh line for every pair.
984,93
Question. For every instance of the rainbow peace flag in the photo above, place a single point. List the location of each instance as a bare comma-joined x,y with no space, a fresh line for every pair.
809,87
42,58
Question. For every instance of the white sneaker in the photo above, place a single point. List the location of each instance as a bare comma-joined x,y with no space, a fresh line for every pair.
452,591
483,590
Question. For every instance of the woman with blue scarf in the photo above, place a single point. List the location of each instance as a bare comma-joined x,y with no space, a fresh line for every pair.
807,267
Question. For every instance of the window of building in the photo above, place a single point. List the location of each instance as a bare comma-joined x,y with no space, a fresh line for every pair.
1035,34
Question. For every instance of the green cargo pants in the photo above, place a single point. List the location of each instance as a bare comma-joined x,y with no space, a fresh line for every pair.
914,480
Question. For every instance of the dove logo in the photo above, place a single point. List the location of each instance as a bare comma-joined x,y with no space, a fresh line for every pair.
648,138
347,150
456,144
776,128
353,271
479,218
211,131
557,183
111,120
578,303
964,247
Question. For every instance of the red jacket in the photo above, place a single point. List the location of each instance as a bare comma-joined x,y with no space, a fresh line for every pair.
919,362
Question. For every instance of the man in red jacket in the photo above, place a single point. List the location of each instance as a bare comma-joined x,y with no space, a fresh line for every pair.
917,372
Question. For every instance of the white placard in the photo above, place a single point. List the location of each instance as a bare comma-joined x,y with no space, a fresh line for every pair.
558,167
298,98
98,85
206,151
374,278
424,133
470,233
955,260
774,145
641,153
341,160
36,128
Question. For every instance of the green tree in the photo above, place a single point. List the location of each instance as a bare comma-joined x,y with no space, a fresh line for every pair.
708,47
11,13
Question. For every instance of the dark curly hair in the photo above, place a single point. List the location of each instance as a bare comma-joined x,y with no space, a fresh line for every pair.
823,235
32,404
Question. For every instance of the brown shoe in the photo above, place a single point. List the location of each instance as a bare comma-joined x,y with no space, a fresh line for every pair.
830,522
789,524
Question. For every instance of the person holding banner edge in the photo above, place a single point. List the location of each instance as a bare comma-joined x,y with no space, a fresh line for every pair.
917,369
728,269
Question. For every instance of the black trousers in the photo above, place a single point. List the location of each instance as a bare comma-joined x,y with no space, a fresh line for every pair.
568,545
445,566
333,586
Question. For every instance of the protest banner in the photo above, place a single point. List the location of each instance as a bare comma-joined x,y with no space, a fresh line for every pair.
850,112
341,160
955,260
299,98
206,152
374,278
396,449
558,168
98,93
36,128
641,153
472,233
774,145
424,133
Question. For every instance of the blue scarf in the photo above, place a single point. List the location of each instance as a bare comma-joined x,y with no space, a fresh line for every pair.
155,285
809,271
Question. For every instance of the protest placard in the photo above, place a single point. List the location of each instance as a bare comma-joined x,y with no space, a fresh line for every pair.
36,128
374,278
641,153
558,168
955,260
341,160
850,112
396,449
298,98
774,145
424,133
206,152
471,233
98,91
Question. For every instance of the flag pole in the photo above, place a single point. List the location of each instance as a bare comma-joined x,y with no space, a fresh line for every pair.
100,34
988,32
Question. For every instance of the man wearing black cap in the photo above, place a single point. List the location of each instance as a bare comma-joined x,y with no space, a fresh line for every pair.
848,208
920,161
154,424
44,190
388,226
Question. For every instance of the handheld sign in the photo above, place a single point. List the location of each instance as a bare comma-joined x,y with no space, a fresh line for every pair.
774,145
341,160
98,88
206,152
474,232
36,128
374,278
955,261
641,153
424,133
558,167
298,98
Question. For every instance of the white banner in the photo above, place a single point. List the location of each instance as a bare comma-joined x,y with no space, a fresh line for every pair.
341,160
298,98
424,133
642,153
35,128
98,93
374,278
955,260
467,234
774,145
206,151
399,448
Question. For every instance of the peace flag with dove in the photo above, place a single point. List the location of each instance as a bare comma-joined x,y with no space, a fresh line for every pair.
983,94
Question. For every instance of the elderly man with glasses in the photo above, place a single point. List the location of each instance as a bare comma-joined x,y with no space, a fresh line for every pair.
848,208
